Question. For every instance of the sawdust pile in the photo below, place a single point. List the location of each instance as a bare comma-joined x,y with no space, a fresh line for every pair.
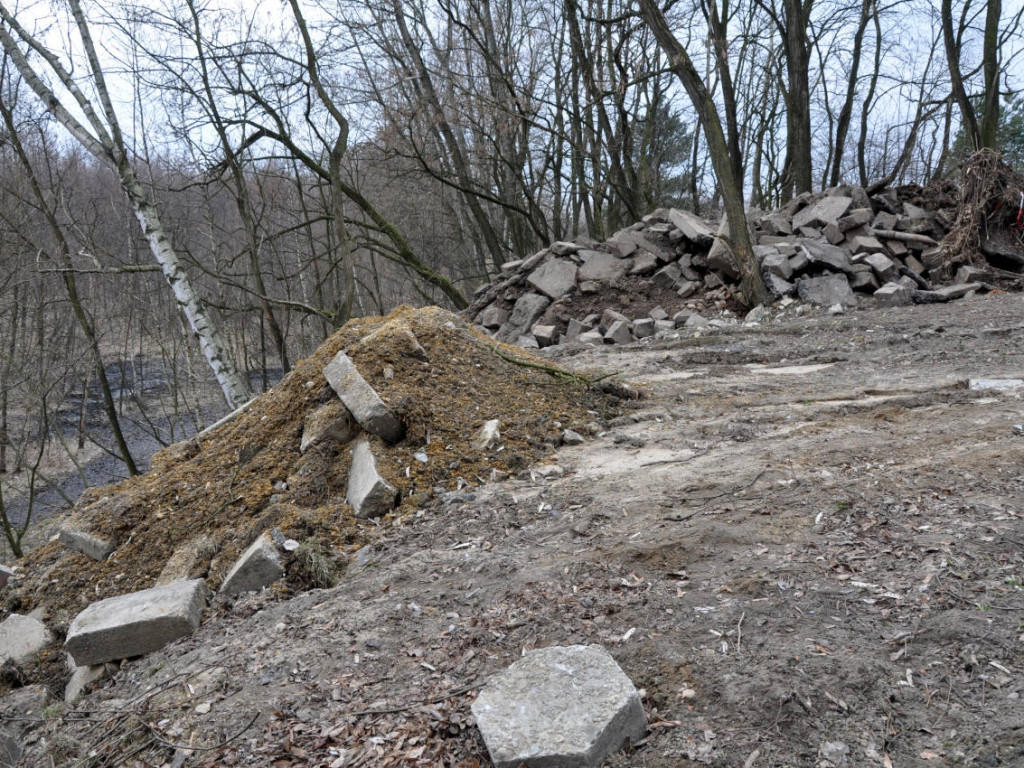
216,495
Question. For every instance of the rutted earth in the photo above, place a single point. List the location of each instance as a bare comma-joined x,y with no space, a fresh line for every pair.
805,545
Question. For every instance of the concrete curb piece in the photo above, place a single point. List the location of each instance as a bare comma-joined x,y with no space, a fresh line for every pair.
361,399
369,494
136,623
258,567
565,706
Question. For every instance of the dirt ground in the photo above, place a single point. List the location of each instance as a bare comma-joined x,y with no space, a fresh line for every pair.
805,546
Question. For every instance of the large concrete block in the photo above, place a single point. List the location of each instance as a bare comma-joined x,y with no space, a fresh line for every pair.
22,638
602,267
828,210
826,255
554,278
258,567
361,399
525,312
563,706
692,226
369,494
75,535
136,623
893,295
826,291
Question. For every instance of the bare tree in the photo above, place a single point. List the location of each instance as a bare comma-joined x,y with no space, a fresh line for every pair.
106,142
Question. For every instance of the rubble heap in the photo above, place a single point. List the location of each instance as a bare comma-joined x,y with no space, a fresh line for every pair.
839,247
384,420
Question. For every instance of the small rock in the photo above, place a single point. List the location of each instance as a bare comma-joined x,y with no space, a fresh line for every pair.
488,435
643,328
369,494
570,437
618,333
258,567
493,317
22,638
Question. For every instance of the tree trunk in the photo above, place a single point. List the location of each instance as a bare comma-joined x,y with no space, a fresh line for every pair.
752,284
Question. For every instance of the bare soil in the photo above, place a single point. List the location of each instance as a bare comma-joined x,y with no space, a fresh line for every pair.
805,545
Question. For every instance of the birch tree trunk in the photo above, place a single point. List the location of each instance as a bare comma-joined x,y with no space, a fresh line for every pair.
103,139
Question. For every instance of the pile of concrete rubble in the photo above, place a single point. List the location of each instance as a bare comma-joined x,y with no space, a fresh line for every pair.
836,249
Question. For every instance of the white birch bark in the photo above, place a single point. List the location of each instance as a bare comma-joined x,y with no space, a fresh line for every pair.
105,142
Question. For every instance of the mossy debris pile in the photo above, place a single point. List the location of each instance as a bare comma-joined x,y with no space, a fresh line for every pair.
206,500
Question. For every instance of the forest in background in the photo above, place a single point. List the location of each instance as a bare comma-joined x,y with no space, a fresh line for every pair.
304,162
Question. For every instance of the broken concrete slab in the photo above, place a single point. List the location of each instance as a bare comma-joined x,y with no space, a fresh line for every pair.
369,494
824,255
525,312
565,706
643,328
644,264
554,278
493,317
777,264
330,425
882,266
75,535
777,285
258,567
692,226
136,623
720,255
362,400
22,638
593,338
563,248
619,333
544,334
602,267
82,677
826,290
828,210
893,295
21,712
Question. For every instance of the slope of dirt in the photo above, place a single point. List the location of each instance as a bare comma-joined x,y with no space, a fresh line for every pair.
807,548
249,476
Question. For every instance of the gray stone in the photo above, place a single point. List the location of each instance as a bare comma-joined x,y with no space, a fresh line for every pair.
574,329
799,261
679,318
777,264
883,266
692,226
858,217
258,567
571,437
624,238
559,707
527,342
81,678
544,334
5,574
136,623
864,281
695,321
958,291
756,315
914,213
22,638
643,328
610,316
331,424
593,338
369,494
667,276
687,288
562,248
554,278
362,401
618,333
826,290
762,252
777,285
602,267
526,311
713,280
493,317
833,234
720,256
885,220
827,256
663,325
74,535
777,224
893,295
488,435
644,264
590,287
658,313
828,210
917,267
864,244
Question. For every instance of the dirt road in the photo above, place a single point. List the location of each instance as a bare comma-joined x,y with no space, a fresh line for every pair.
805,545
